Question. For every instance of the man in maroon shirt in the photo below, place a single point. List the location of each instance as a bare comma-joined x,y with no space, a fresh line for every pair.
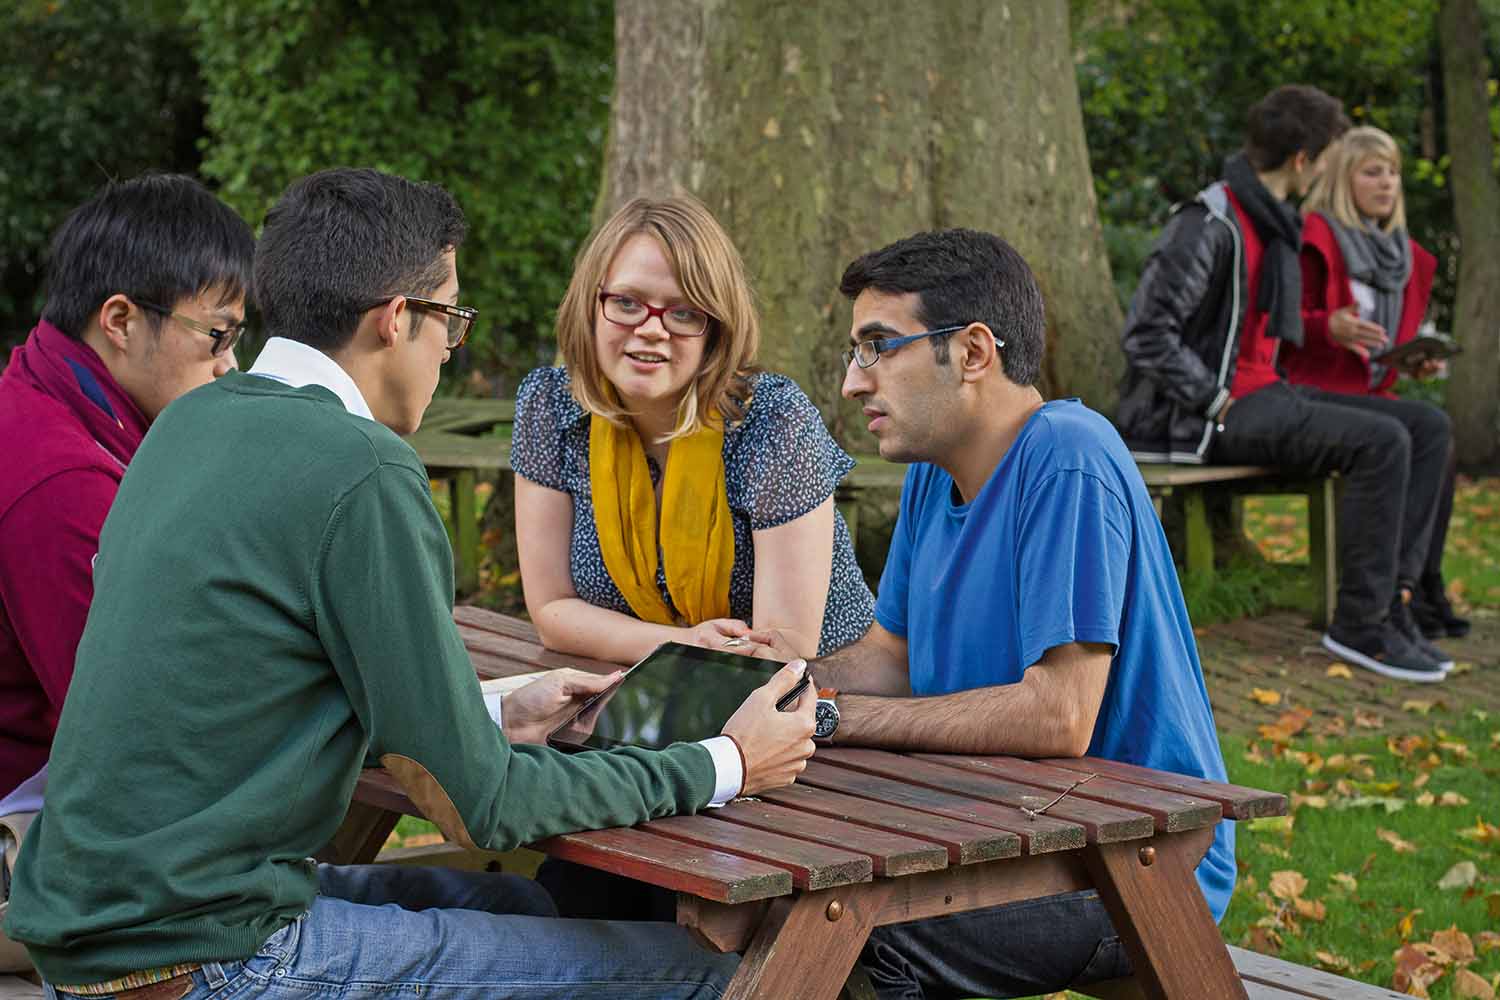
145,299
1218,296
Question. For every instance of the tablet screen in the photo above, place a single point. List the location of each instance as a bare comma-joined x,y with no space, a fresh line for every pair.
676,694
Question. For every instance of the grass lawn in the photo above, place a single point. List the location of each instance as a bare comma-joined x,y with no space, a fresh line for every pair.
1356,874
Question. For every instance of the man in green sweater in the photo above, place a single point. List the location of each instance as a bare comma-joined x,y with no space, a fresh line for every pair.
279,586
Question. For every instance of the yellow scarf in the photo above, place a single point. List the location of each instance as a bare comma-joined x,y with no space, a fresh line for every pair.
697,535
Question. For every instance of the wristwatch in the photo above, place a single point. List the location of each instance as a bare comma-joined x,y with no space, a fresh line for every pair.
827,719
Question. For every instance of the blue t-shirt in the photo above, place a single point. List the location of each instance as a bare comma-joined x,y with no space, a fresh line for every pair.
1061,545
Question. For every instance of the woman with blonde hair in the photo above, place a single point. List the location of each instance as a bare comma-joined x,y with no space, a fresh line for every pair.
1365,288
668,489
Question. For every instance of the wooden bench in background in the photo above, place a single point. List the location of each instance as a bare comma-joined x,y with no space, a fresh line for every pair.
1192,484
461,439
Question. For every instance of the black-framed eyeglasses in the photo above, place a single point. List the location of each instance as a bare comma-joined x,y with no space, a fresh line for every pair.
629,311
224,340
460,318
867,352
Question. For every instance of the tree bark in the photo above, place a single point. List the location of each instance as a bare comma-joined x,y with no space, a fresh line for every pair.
817,130
1473,402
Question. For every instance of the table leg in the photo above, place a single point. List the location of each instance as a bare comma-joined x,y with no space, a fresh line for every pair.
807,943
360,836
1161,916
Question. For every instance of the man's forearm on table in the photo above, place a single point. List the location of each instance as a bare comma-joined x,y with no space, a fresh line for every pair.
1042,716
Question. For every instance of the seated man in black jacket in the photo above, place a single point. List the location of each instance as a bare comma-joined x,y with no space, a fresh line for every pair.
1219,294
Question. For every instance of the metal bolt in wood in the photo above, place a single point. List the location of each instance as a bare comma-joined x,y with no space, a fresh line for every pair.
835,910
1148,856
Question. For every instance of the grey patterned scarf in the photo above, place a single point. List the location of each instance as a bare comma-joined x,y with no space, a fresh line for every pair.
1382,261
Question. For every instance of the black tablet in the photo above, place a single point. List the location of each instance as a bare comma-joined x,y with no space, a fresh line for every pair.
677,693
1425,347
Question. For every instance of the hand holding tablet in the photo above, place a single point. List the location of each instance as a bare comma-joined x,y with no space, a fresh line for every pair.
683,693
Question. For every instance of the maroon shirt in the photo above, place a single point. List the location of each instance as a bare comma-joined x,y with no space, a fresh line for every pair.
68,431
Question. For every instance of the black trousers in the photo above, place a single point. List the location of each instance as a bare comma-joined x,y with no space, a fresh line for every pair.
1391,454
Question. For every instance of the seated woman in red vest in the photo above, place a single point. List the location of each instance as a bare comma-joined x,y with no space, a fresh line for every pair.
1365,287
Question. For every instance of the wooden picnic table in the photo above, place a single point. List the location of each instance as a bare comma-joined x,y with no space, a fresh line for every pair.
796,878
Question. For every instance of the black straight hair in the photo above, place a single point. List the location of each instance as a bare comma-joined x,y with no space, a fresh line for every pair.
962,276
158,238
1292,119
340,242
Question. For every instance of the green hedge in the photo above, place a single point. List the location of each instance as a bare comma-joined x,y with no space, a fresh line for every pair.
505,104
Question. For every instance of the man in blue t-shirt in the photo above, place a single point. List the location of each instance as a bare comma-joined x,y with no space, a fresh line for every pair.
1029,603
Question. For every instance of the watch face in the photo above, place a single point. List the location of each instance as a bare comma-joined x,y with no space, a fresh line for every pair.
827,719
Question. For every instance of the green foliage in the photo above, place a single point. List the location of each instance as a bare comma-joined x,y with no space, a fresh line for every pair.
505,105
92,91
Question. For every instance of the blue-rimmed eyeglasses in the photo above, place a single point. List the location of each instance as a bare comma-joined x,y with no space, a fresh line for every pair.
867,352
224,340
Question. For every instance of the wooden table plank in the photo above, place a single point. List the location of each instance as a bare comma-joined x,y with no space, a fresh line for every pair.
1238,801
1037,835
443,450
966,843
672,864
527,656
1103,823
1172,811
891,854
813,865
492,621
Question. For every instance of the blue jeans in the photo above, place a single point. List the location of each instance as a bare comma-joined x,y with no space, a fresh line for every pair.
1015,950
389,931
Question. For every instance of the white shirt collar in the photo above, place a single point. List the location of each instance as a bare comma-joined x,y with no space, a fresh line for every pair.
296,364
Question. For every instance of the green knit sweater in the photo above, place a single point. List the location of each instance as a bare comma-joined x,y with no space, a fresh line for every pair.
272,604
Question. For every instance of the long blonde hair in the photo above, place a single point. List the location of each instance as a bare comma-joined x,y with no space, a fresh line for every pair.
1333,192
712,275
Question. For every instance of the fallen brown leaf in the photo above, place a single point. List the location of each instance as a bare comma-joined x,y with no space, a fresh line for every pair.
1329,960
1455,944
1368,720
1472,986
1346,880
1460,876
1311,909
1288,884
1414,972
1394,840
1265,696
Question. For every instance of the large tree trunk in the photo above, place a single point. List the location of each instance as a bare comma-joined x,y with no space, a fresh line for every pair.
1473,401
817,130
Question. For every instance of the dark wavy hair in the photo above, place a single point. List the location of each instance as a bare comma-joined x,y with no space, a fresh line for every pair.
340,242
962,276
158,238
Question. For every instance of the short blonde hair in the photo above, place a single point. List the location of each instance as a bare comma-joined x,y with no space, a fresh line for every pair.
712,275
1333,193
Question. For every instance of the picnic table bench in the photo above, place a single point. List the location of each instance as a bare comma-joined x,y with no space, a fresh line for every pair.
461,438
796,878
